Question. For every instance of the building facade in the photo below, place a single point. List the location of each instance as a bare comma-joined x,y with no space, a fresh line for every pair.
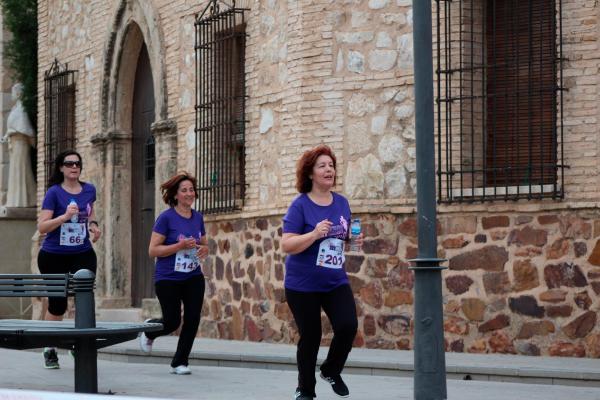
149,81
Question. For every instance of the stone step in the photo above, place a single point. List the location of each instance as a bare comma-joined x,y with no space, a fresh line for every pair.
568,371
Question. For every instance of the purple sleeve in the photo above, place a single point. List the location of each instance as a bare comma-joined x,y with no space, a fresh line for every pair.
161,225
293,221
50,200
93,193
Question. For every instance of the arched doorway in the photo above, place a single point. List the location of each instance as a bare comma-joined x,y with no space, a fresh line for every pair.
143,186
134,94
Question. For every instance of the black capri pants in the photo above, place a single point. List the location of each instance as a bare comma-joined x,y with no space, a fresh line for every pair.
61,263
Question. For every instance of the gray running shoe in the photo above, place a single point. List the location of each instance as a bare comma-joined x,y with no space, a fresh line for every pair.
50,359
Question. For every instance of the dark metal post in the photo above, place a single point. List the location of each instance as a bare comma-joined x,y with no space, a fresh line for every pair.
430,363
86,353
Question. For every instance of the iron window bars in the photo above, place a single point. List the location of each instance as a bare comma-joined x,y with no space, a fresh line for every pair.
59,102
499,100
220,38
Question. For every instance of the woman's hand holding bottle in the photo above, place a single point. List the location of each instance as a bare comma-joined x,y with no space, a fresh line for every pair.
71,212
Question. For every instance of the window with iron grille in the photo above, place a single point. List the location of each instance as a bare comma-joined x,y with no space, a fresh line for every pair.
220,105
59,104
499,100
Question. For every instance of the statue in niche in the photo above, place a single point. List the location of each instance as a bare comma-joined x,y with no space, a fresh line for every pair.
20,137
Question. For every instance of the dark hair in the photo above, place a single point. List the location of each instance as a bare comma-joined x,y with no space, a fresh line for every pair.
304,167
170,187
57,176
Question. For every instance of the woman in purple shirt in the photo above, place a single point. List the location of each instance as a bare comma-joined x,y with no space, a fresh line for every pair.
67,220
179,244
315,229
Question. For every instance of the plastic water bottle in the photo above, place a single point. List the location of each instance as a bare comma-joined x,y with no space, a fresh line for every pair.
193,252
74,217
354,233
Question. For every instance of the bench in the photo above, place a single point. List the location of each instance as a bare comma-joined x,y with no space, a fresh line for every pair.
83,335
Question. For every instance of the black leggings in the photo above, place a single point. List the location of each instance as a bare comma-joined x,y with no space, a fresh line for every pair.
171,294
62,263
340,308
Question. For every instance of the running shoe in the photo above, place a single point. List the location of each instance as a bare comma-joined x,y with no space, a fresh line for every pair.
50,358
181,370
337,384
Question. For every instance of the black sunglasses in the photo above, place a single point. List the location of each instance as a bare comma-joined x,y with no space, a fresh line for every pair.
71,164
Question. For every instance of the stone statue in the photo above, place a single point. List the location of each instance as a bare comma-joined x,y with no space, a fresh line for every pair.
20,137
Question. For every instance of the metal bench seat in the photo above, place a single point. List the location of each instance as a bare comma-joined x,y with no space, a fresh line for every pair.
82,335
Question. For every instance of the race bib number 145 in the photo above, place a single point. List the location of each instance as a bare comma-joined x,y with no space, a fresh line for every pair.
186,261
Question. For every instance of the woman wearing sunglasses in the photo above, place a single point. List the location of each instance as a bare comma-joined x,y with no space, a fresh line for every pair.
67,220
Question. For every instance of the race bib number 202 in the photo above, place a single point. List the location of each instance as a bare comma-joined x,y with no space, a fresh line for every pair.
331,254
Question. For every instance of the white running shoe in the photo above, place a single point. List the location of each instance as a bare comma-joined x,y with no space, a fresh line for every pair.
181,370
145,343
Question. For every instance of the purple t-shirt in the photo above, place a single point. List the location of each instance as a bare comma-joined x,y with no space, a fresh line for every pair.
73,240
172,225
320,267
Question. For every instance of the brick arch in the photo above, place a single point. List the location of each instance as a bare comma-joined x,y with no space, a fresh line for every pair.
135,22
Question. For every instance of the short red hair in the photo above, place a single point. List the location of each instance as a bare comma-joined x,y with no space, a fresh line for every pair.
170,187
304,167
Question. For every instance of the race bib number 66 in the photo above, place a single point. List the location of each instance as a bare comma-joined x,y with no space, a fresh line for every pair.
72,234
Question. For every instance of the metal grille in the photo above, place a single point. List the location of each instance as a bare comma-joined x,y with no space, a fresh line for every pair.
499,100
59,101
220,105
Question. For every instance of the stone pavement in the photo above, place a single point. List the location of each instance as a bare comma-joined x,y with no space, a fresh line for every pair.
245,370
23,370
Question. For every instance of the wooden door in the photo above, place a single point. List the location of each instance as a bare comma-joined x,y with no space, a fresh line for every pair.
143,187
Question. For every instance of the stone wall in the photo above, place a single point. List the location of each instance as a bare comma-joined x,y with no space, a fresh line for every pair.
526,283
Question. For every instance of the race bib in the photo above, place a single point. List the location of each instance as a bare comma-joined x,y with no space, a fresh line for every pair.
331,253
72,234
186,260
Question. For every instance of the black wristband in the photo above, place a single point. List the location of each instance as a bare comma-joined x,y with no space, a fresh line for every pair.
93,222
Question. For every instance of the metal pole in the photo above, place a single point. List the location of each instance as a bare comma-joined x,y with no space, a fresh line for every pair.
430,363
86,352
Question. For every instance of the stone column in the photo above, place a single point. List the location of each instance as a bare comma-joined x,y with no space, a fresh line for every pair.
165,136
112,153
